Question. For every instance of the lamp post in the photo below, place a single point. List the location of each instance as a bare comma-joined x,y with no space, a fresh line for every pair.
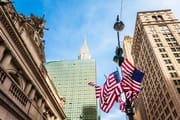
119,26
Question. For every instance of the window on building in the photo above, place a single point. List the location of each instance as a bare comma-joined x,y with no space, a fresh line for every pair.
175,82
154,18
162,50
160,18
173,74
173,44
176,54
167,61
178,89
168,39
168,35
157,40
170,67
159,45
170,44
173,49
177,48
155,35
164,55
178,60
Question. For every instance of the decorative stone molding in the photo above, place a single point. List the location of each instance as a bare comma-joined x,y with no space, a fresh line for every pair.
28,88
32,94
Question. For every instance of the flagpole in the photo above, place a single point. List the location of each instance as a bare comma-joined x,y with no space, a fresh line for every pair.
119,26
129,110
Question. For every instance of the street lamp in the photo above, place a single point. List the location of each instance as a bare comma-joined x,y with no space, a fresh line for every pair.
118,26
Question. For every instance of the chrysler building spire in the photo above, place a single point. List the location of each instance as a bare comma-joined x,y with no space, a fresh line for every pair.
84,52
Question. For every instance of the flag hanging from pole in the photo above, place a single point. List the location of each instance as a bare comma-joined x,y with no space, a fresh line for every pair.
131,79
109,92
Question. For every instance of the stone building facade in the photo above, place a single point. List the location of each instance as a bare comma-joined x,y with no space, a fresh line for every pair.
26,91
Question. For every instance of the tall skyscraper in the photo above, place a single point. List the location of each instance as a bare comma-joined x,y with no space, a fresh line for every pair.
70,78
156,51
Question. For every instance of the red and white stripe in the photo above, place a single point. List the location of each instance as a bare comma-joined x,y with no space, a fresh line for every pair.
128,84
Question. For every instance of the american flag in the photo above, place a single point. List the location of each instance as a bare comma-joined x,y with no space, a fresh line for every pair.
131,79
110,91
97,88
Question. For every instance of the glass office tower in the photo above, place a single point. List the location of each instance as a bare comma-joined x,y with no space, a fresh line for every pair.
71,79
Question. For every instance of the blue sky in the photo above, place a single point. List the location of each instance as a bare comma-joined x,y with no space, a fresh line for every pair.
70,22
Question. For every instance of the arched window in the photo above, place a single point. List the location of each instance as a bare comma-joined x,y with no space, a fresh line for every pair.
154,18
160,18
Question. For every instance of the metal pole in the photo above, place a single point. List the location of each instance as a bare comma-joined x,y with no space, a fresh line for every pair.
118,39
129,110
